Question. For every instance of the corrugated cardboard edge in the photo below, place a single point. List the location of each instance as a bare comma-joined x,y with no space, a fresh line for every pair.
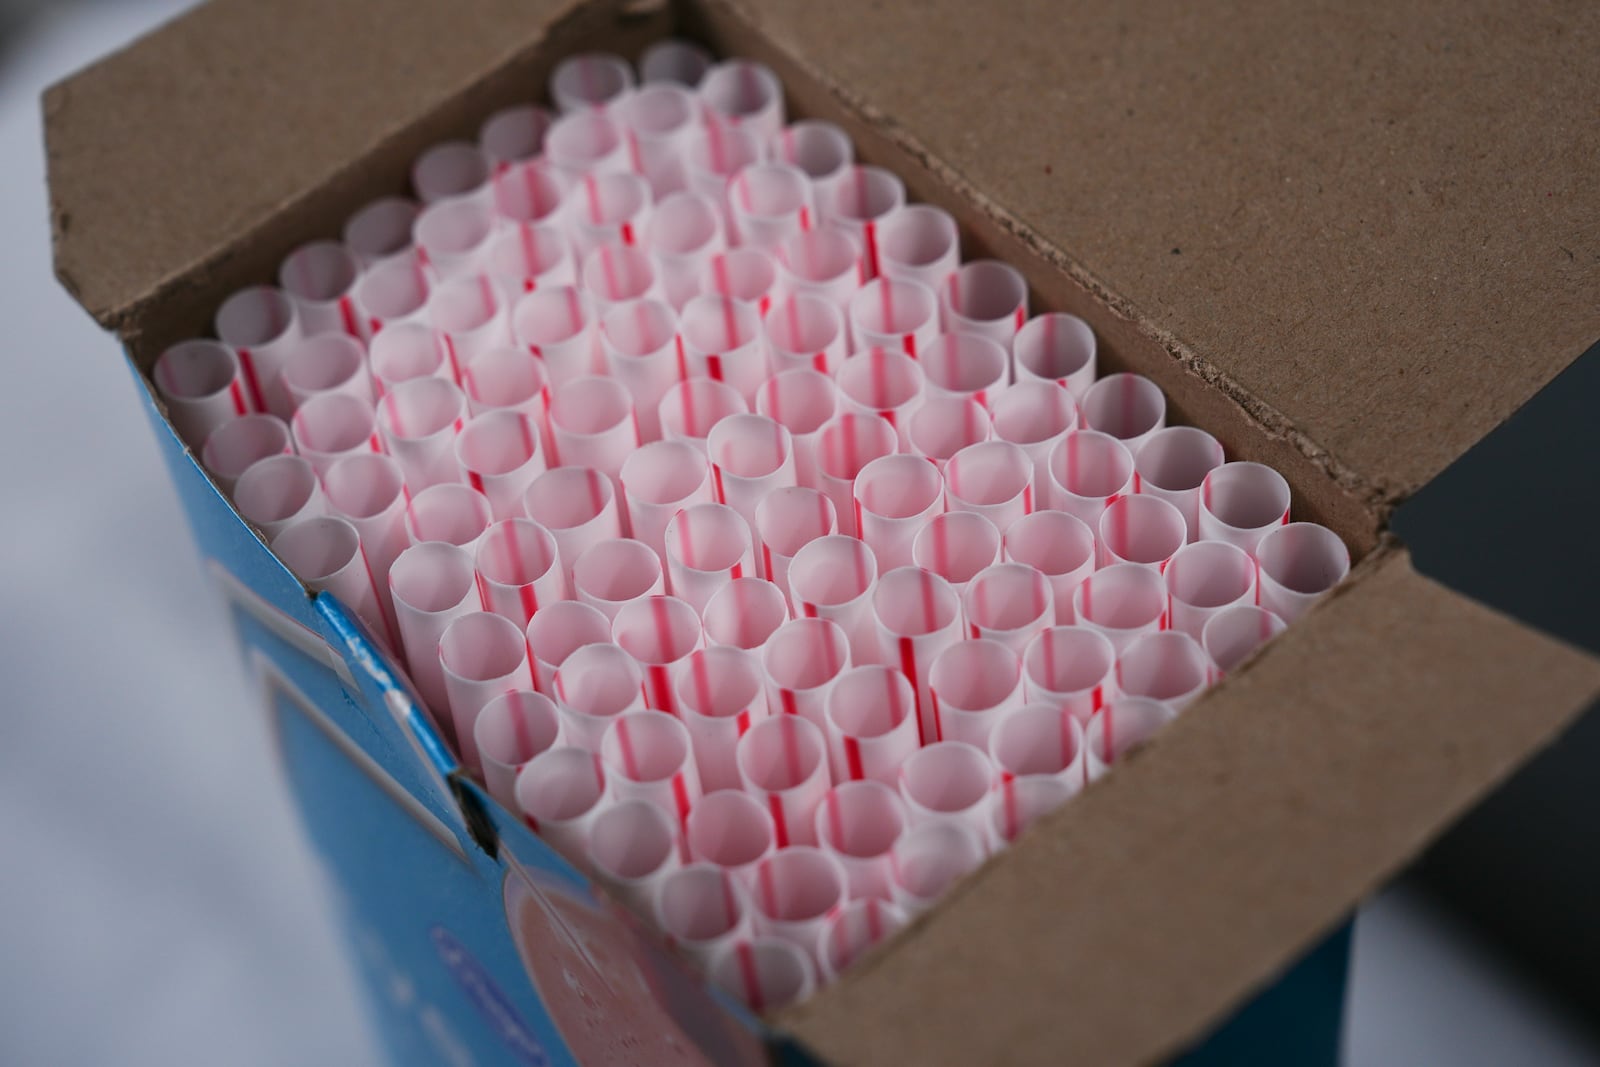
1123,922
762,38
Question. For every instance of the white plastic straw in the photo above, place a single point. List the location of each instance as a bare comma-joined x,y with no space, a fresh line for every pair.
871,720
325,553
844,445
590,81
822,263
329,427
748,275
328,363
559,630
899,315
895,496
918,616
1056,347
557,324
832,578
512,729
1020,802
994,479
957,545
769,202
608,209
533,191
594,685
1172,463
592,424
419,420
883,382
370,492
641,346
261,324
404,351
392,291
1232,634
453,170
802,401
1059,546
1204,578
514,135
744,614
859,203
684,232
703,910
1071,668
707,546
648,757
751,457
973,684
1039,740
788,519
693,406
1009,603
766,973
929,858
674,60
713,156
524,256
949,781
560,792
519,570
609,574
471,316
659,480
1169,666
920,244
731,829
201,386
743,94
1122,602
966,364
431,585
859,822
1299,563
500,456
805,331
278,491
234,446
783,762
633,847
483,655
944,425
1141,529
452,237
797,890
820,149
658,120
985,297
719,696
381,229
722,341
586,142
1035,416
450,512
660,633
801,661
1241,503
1088,469
320,277
578,506
1129,407
1120,727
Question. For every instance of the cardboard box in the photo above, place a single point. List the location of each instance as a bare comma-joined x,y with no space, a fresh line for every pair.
1348,242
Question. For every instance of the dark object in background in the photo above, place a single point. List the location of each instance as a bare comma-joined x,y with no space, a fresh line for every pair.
1512,524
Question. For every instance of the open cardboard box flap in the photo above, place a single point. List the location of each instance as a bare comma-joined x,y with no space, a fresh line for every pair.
1348,242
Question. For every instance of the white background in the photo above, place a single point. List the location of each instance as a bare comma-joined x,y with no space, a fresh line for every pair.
158,902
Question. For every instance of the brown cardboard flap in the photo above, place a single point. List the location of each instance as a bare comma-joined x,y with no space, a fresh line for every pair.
1123,926
167,153
1375,223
